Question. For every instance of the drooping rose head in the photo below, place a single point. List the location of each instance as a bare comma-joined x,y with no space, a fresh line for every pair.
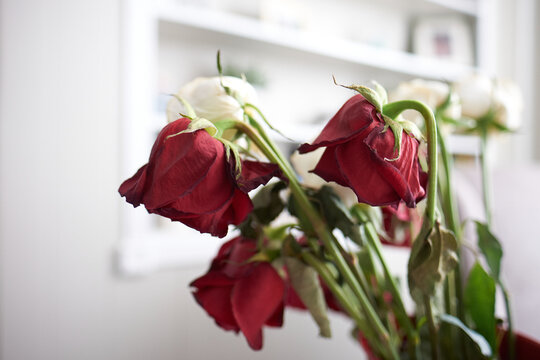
210,101
241,295
189,179
361,155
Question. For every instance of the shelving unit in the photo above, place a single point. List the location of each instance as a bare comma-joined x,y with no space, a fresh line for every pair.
164,32
336,48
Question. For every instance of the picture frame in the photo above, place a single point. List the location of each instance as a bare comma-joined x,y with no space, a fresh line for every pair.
444,37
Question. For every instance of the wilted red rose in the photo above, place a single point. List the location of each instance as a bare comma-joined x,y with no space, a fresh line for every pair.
188,179
360,154
401,224
241,295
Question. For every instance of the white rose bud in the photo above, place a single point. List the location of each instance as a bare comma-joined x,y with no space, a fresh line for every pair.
304,163
431,93
210,101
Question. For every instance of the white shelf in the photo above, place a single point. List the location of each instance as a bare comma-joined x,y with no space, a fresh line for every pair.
336,48
468,7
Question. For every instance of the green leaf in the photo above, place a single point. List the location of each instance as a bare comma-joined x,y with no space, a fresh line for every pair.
189,109
196,125
305,281
479,299
365,213
294,210
478,339
431,259
336,214
267,204
397,130
491,248
381,91
369,94
277,232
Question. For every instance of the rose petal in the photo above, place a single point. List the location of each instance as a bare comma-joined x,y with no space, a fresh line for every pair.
401,174
353,117
216,301
356,164
327,167
255,173
255,298
209,194
133,187
174,167
276,320
212,278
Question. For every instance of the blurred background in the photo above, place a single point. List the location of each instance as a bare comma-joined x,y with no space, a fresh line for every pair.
83,89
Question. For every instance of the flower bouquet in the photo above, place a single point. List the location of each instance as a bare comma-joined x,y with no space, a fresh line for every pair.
313,240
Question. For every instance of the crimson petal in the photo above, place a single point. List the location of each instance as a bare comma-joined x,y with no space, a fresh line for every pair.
255,298
351,119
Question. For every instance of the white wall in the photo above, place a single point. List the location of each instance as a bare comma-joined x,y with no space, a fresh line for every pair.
59,212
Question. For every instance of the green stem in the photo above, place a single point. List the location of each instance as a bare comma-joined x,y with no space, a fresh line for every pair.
392,110
433,336
453,282
401,313
322,231
486,186
358,274
450,204
511,334
486,189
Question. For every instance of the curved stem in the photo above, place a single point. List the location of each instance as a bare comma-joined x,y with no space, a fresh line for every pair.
393,110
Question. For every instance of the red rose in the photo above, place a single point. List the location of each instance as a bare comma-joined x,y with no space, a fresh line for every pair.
241,295
357,156
188,179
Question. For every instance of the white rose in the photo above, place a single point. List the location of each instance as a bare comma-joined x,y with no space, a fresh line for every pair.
304,163
479,94
475,93
431,93
508,102
210,101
